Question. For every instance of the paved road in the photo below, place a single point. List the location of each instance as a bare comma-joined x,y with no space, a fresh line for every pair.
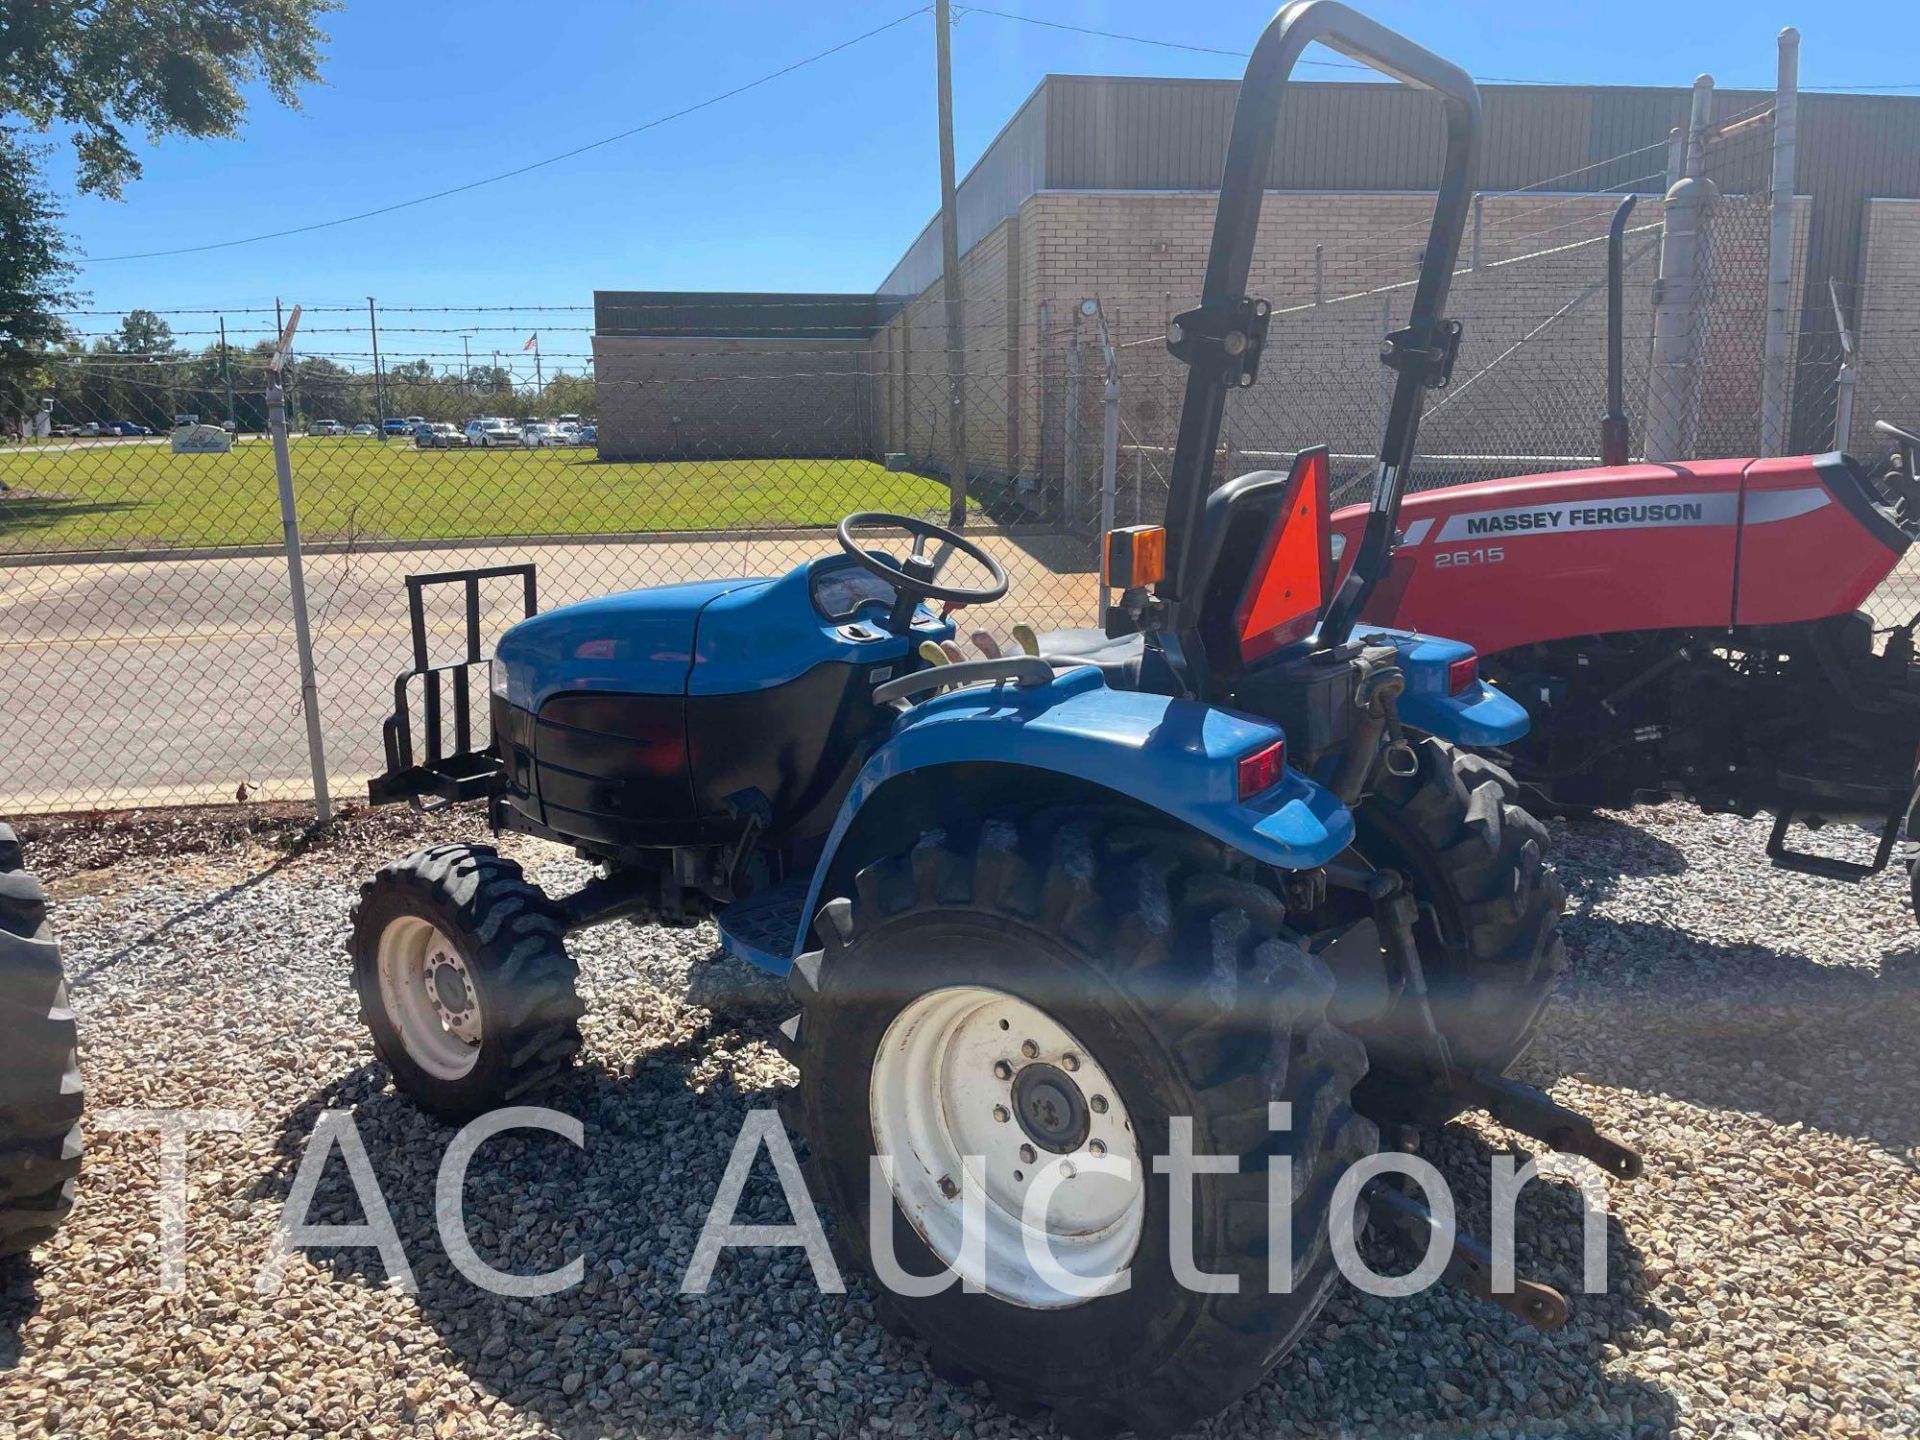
177,682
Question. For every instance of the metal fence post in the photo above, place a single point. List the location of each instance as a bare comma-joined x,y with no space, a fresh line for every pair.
1677,295
1109,446
1776,396
296,573
1849,375
1071,508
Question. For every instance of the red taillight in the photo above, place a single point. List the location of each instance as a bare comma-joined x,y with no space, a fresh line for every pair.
1261,770
1463,674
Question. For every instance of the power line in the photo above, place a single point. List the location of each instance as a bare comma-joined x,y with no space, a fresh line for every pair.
1338,64
680,114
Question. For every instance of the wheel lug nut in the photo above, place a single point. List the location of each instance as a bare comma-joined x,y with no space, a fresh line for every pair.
1069,1061
1098,1104
1000,1114
1096,1147
1066,1169
1028,1154
1029,1049
1002,1070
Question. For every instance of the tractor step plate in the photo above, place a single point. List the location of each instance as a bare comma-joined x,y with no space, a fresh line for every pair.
761,928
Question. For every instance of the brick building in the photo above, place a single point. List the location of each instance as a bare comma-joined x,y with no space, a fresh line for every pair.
1102,188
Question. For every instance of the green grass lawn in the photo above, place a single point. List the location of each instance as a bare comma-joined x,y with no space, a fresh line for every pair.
118,496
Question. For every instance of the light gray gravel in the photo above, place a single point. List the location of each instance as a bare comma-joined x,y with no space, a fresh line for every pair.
1751,1031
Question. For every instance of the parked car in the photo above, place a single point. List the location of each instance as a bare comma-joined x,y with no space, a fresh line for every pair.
326,428
183,421
395,425
91,429
539,436
439,436
490,430
587,435
365,430
414,422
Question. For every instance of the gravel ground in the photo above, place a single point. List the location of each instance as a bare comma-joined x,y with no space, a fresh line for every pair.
1750,1031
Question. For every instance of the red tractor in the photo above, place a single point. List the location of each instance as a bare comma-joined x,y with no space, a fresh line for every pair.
1688,629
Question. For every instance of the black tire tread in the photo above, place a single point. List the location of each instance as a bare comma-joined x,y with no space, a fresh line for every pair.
1048,870
41,1096
519,951
1493,967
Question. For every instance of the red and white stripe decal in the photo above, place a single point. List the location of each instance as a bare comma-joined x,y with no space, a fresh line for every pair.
1638,512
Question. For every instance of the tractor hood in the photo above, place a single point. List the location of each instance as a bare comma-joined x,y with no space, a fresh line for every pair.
638,643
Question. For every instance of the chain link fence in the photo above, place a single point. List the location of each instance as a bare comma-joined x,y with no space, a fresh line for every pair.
148,644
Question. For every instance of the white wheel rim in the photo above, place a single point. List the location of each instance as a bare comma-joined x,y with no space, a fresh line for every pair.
950,1080
430,997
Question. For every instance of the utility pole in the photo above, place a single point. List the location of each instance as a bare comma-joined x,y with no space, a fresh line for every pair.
950,267
379,400
226,376
466,369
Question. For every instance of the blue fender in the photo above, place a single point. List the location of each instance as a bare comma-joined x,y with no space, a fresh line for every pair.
1175,756
1478,716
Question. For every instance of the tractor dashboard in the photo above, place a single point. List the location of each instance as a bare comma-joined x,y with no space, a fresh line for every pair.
841,589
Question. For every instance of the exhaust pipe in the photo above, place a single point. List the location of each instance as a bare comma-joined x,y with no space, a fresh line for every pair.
1613,425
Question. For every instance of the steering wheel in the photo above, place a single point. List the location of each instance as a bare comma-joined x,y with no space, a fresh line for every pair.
914,577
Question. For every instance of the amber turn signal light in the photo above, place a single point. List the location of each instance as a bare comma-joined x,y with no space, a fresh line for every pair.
1136,556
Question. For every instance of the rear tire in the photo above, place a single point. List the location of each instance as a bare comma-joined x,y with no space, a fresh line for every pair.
40,1091
1488,932
1143,949
464,980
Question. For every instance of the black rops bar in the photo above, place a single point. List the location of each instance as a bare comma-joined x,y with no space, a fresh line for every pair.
1221,340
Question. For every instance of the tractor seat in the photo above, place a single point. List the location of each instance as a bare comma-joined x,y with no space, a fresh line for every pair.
1124,662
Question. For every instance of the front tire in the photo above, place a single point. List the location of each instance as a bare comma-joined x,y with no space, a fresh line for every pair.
1488,932
1153,982
464,980
40,1092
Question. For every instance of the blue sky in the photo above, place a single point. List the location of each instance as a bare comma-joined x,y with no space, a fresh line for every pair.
817,180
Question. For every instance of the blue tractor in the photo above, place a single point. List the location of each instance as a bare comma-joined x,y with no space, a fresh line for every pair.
1218,876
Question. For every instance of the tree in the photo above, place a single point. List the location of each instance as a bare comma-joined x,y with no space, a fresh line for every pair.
34,272
568,395
144,371
142,333
322,389
95,71
101,69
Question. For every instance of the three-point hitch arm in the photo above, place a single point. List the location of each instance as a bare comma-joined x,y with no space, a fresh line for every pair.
1221,340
